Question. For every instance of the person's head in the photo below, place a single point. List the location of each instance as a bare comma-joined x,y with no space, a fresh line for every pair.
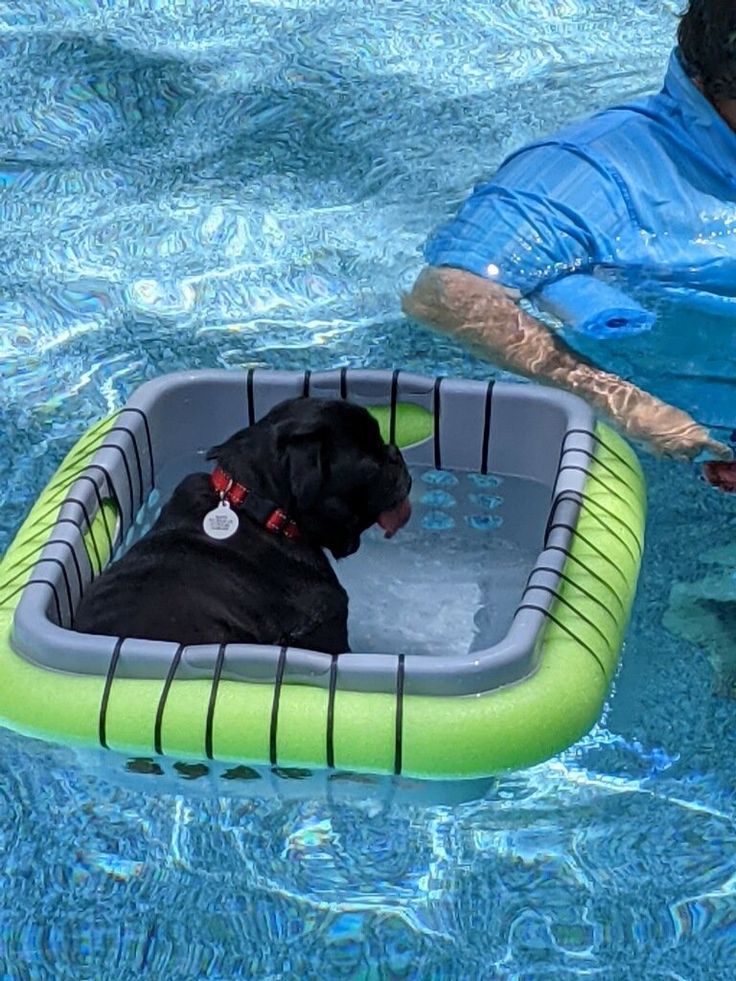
707,41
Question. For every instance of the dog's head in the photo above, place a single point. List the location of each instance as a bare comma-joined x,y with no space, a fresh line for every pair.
326,464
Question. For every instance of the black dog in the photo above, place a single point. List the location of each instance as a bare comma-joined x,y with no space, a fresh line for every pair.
310,475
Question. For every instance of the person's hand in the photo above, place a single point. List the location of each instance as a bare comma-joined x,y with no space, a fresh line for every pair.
688,441
666,430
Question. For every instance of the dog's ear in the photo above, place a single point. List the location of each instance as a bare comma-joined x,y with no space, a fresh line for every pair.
307,457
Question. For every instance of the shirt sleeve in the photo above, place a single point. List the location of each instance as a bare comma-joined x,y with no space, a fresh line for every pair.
550,210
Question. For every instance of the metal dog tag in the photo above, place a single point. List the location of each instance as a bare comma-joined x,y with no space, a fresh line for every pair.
221,522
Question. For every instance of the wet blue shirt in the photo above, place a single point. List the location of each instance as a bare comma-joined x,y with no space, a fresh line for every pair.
648,187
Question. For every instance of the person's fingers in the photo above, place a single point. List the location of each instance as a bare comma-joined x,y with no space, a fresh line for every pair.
682,442
719,450
685,451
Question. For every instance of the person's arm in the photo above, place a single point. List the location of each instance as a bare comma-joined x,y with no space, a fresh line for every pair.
481,314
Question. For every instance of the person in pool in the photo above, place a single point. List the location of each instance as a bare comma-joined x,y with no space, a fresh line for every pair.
646,186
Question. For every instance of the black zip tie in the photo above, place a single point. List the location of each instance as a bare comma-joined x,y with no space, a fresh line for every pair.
213,699
594,575
83,508
75,560
121,451
597,480
591,546
82,449
599,462
572,582
588,470
580,497
83,475
584,504
281,664
399,731
136,452
44,531
601,442
106,693
437,408
487,428
250,398
569,555
575,610
590,503
35,582
550,616
149,441
113,496
157,726
330,733
393,403
67,584
35,560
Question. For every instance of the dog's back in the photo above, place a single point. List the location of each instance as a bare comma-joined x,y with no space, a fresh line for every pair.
177,585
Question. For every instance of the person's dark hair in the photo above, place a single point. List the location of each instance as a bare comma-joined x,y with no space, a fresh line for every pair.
707,40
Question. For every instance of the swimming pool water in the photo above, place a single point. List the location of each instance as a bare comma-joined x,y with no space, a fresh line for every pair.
230,184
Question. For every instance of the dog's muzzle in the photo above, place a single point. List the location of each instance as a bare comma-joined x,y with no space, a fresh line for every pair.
394,520
398,478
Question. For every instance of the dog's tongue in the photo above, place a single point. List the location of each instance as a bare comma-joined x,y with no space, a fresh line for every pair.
395,519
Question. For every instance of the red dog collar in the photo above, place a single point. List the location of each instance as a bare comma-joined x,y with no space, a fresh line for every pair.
233,492
266,513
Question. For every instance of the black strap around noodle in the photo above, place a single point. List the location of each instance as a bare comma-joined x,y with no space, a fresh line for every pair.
141,414
596,438
136,453
158,724
213,700
106,691
486,428
278,682
393,401
250,397
330,730
562,626
586,505
572,582
399,729
4,600
437,407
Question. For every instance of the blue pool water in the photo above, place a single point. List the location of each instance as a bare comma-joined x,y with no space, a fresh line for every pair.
189,184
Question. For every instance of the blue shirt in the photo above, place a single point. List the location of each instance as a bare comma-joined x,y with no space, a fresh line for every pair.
648,188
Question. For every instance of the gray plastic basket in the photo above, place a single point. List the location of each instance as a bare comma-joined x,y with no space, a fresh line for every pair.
166,428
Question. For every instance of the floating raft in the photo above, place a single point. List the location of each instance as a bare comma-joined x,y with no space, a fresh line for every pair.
438,717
